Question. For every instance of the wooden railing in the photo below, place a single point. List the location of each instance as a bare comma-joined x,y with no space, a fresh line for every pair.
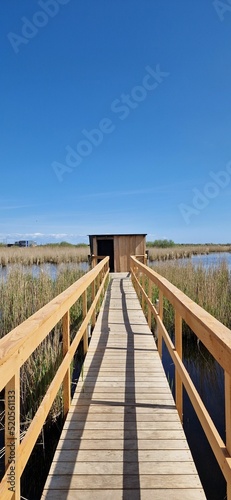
15,349
213,334
95,259
142,258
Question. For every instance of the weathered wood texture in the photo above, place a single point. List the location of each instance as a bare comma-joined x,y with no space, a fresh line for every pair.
122,439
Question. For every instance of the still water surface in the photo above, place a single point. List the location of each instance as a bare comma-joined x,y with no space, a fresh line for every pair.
51,269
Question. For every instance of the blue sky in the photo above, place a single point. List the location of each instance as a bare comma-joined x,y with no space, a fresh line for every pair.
115,118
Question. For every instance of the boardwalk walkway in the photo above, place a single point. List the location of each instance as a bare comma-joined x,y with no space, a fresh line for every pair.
122,438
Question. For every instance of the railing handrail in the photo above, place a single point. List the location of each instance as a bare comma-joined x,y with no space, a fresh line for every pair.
45,318
15,349
214,335
196,317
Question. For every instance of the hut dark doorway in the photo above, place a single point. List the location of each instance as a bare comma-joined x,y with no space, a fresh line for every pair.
106,248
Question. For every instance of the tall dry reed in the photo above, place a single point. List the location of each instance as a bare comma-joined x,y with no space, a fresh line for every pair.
184,251
42,254
21,295
209,287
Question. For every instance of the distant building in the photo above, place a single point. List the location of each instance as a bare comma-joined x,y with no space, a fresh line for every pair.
25,243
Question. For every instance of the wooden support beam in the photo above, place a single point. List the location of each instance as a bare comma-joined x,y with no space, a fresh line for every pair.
178,381
149,308
160,312
143,287
67,378
93,319
85,335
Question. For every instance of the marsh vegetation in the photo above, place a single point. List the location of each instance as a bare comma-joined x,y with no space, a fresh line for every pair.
173,252
53,254
210,287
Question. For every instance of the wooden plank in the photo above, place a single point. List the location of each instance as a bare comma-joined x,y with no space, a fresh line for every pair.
119,417
121,425
157,455
112,468
131,494
118,444
115,481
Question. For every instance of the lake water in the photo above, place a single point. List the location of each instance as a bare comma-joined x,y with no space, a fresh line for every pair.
50,269
212,259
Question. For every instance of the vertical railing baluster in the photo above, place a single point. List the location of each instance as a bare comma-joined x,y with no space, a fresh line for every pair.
228,422
178,382
143,287
149,309
93,319
67,378
12,434
85,335
160,313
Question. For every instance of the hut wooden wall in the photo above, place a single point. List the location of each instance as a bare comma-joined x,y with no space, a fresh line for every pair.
127,245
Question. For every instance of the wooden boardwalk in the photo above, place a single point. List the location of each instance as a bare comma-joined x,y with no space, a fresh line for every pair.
122,439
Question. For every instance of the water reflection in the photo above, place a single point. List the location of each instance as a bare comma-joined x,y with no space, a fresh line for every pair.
212,259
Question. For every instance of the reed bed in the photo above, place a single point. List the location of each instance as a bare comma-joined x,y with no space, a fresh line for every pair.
209,287
21,295
43,254
184,251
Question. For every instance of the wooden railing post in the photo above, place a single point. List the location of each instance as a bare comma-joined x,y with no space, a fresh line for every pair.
160,312
67,378
85,335
93,320
178,381
149,309
12,435
143,286
228,422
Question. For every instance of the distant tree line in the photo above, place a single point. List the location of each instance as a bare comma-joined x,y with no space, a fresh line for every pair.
161,243
65,244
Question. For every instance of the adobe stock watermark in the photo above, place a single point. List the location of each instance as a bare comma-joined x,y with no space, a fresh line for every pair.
211,190
121,107
222,7
31,27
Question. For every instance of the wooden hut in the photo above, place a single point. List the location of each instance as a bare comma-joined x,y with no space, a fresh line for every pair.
118,247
